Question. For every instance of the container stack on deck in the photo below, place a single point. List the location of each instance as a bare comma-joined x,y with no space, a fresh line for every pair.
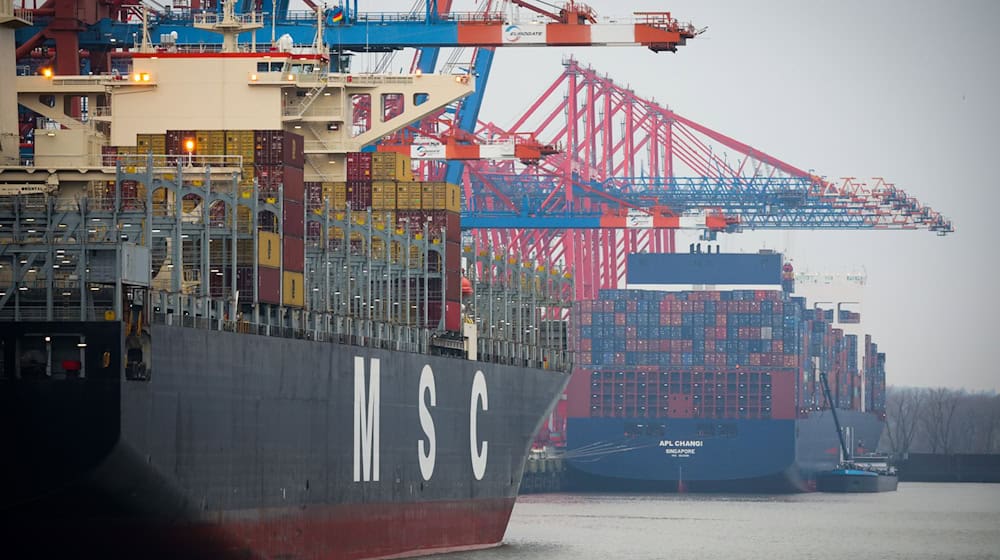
381,185
380,200
874,370
708,353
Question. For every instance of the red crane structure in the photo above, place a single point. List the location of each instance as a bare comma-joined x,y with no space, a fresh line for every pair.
631,172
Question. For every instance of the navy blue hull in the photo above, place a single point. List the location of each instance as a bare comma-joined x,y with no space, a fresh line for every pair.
616,454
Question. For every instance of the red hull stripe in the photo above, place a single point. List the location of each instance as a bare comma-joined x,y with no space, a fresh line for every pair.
347,532
376,530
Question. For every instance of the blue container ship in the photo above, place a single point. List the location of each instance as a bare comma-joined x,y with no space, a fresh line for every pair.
704,375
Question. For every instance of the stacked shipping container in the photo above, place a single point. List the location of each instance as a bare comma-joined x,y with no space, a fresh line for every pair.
274,159
381,185
715,354
701,354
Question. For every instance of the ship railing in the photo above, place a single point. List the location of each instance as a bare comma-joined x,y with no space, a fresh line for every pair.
369,79
213,18
39,312
25,14
376,334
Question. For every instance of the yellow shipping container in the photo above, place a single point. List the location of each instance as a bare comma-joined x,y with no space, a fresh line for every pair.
152,143
293,289
378,249
384,195
453,198
384,220
408,196
391,165
246,178
358,218
240,142
428,196
268,249
244,222
335,194
210,142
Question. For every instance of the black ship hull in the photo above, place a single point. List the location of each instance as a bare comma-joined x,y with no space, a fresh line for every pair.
248,446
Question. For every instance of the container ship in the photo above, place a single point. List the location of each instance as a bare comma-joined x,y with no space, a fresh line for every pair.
227,332
704,375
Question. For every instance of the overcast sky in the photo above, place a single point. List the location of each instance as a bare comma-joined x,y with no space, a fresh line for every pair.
906,90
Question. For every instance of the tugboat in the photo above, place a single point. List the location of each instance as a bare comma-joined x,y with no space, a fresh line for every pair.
867,473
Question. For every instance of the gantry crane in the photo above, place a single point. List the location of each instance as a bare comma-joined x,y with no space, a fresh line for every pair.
632,172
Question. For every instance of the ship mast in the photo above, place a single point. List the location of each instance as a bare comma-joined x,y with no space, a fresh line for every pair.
230,25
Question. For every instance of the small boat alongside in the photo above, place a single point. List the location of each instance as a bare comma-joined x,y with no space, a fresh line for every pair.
863,474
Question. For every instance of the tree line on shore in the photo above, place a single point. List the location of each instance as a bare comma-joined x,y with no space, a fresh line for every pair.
941,420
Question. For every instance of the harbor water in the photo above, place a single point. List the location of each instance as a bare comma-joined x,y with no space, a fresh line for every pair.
919,521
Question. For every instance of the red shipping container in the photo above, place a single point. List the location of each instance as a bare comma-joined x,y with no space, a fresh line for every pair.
293,253
293,150
359,195
269,285
294,186
453,226
359,166
586,319
783,405
679,406
453,316
453,285
630,346
585,344
453,260
176,141
314,195
314,231
109,156
619,319
293,218
631,306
